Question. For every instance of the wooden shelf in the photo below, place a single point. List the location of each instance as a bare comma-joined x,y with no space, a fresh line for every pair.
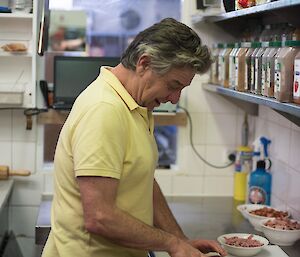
160,118
249,102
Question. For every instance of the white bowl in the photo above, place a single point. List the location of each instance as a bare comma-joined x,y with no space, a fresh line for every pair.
254,219
242,208
242,251
279,236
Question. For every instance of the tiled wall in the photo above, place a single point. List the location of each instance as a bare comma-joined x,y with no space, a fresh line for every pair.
18,148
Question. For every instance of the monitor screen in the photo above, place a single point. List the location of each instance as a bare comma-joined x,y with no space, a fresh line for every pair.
72,74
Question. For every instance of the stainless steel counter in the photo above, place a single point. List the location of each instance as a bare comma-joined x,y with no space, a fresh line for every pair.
5,189
200,217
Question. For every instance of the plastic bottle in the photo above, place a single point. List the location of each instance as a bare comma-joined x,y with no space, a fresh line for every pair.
296,89
270,72
284,71
260,183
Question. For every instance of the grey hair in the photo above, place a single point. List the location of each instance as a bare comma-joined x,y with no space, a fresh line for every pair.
169,44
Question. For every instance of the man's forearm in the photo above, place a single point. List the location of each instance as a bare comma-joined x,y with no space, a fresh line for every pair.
163,217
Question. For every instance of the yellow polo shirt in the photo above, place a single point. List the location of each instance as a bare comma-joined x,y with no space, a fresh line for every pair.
106,134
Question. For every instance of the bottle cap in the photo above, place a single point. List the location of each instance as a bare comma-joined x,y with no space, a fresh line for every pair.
261,164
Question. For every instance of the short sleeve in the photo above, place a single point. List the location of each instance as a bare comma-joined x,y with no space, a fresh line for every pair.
98,142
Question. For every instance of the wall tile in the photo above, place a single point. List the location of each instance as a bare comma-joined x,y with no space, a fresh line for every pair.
293,198
198,127
294,159
27,190
5,153
274,116
23,219
280,145
195,95
5,125
281,180
48,182
217,155
218,186
188,185
218,104
19,132
190,162
221,129
165,181
24,154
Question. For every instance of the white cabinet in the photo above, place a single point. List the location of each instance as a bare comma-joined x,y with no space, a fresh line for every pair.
18,69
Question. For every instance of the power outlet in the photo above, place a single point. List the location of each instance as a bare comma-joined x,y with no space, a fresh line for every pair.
228,156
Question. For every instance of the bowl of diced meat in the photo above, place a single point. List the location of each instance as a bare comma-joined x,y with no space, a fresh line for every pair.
281,231
243,208
241,244
257,214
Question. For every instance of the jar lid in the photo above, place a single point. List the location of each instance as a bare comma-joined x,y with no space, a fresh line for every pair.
230,45
275,44
292,43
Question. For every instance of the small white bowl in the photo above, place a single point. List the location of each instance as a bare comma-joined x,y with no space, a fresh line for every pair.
242,251
279,236
242,208
254,219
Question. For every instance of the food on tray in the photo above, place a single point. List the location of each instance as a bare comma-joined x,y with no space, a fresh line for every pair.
283,224
269,212
242,242
14,47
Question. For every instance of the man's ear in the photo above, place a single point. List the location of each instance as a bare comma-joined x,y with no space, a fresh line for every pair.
143,64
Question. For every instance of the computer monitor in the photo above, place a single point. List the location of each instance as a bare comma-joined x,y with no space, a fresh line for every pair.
72,74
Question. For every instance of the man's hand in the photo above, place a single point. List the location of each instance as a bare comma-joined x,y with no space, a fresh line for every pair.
206,246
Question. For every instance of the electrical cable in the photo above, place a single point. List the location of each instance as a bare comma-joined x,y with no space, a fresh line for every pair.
194,148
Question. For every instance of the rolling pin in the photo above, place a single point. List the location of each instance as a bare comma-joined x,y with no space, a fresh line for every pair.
5,172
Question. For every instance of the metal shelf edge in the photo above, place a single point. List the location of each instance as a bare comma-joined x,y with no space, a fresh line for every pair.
289,108
247,11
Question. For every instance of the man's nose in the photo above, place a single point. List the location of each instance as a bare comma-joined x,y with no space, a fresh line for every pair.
174,97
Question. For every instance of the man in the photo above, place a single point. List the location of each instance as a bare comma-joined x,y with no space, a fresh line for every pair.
107,202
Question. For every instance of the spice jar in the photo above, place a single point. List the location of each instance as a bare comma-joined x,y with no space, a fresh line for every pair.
284,71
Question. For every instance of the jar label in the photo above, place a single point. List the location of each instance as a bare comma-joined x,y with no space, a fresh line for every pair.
277,76
257,195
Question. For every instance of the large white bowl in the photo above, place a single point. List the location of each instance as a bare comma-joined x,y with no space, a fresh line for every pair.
255,220
279,236
242,208
242,251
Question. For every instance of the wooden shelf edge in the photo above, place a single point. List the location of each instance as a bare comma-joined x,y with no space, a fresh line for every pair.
160,119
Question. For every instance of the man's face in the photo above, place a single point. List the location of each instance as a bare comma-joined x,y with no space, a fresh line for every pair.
156,89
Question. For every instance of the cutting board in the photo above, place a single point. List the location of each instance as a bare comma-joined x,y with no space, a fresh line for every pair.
269,251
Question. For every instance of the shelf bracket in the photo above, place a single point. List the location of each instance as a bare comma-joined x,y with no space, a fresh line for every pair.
290,117
250,108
